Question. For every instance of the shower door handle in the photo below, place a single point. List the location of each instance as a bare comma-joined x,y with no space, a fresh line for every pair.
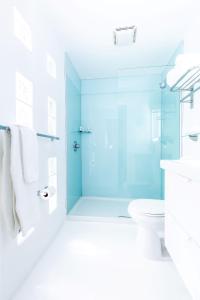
76,146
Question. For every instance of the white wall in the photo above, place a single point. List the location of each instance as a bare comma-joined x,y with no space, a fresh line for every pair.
191,117
16,261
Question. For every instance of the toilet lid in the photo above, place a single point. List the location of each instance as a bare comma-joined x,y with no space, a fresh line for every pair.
148,207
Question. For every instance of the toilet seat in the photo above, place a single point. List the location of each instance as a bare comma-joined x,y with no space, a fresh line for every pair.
147,207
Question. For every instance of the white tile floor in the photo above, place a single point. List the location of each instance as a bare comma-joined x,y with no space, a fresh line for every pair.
98,261
101,207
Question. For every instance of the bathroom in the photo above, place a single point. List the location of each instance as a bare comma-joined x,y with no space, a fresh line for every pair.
108,91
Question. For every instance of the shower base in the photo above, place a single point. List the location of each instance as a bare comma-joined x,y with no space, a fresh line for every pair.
101,207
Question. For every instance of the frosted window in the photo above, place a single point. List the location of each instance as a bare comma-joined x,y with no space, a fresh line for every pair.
51,116
22,30
52,166
24,89
52,126
51,66
24,101
52,172
51,107
24,115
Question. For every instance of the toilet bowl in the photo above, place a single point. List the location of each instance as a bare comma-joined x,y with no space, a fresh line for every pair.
149,215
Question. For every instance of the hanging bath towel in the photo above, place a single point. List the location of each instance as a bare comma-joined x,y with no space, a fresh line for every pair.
8,215
29,146
27,202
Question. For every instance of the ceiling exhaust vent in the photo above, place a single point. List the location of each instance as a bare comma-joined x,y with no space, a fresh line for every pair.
125,36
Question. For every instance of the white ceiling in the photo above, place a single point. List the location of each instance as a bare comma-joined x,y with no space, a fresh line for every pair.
88,29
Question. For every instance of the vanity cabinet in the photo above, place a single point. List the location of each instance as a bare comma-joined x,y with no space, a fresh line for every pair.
182,221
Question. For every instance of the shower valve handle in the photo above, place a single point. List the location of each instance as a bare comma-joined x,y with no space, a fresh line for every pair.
76,146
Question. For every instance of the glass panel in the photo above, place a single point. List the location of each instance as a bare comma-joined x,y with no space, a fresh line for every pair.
24,89
24,114
22,30
51,116
51,107
52,166
52,125
121,158
73,110
51,66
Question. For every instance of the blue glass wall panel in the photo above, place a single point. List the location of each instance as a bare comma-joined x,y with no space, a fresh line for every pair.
73,115
121,157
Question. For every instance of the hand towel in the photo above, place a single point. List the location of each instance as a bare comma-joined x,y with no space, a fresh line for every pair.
8,216
29,145
27,202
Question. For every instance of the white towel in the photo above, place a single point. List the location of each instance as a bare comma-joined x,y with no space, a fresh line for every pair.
184,62
8,215
30,160
176,73
188,60
27,202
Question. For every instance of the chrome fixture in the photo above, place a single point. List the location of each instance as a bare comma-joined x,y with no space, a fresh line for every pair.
51,137
76,146
46,192
125,36
194,136
186,84
163,84
43,193
84,130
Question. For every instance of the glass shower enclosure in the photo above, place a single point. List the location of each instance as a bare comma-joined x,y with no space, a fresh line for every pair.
117,122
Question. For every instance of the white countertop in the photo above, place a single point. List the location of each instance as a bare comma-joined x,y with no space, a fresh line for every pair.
185,167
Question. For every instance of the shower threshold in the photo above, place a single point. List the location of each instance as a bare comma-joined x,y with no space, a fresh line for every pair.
101,207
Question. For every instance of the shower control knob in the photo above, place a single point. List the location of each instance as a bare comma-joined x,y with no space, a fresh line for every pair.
76,146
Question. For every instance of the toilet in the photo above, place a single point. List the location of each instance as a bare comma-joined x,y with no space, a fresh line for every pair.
149,215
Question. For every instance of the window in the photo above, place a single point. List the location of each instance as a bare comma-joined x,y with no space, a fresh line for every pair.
24,101
51,66
51,116
52,182
22,30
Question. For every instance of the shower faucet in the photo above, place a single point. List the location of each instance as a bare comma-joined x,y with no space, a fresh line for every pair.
76,146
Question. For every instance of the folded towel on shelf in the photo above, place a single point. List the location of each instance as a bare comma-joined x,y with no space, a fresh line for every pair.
30,159
184,63
8,215
173,75
188,60
27,202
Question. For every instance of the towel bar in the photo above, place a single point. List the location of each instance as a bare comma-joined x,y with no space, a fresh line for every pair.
51,137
